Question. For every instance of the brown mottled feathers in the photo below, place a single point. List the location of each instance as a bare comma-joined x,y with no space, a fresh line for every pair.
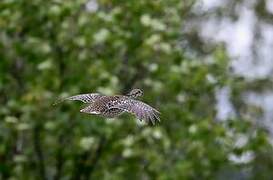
103,106
86,98
113,106
141,110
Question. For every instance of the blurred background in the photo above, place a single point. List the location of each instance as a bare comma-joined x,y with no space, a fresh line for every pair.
205,64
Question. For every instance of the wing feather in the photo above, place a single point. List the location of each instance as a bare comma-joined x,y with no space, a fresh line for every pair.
140,109
86,98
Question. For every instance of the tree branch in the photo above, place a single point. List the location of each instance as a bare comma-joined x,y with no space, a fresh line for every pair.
84,165
94,161
38,151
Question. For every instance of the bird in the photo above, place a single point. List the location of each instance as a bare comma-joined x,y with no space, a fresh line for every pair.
113,106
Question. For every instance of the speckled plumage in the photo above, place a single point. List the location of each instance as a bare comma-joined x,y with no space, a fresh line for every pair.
113,106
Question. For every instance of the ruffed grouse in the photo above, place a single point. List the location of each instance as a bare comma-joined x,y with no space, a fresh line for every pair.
113,106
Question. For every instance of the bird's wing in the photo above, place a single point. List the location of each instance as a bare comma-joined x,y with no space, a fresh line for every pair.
141,110
86,98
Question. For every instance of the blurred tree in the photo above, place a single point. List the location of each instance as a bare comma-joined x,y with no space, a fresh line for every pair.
52,48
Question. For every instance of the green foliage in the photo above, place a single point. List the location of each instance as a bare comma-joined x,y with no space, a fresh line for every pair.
51,49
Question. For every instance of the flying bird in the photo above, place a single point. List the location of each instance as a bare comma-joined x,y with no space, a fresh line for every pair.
113,106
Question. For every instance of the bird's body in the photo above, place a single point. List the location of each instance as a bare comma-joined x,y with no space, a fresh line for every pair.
104,106
113,106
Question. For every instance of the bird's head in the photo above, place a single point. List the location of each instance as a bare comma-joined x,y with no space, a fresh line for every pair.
135,93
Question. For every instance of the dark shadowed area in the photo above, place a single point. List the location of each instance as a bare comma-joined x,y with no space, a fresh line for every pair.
206,65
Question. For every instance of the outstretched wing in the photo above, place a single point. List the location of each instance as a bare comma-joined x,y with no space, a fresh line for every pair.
86,98
141,110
